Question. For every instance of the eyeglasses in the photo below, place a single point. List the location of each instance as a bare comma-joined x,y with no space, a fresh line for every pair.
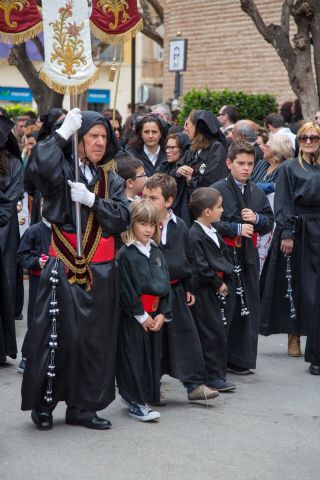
139,176
219,114
312,138
317,117
171,148
117,129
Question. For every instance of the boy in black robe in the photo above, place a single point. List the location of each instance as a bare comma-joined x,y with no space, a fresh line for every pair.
181,349
247,212
32,255
215,273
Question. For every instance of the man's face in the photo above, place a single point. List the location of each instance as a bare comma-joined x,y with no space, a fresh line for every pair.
241,167
95,143
317,118
19,128
222,117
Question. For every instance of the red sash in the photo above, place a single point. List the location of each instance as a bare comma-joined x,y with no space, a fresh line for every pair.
237,241
105,250
150,302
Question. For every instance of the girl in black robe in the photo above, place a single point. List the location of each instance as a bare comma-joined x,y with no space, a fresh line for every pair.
145,304
295,251
247,213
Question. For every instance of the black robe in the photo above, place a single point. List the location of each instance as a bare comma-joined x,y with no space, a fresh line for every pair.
7,332
243,330
138,359
149,168
208,260
88,320
297,214
181,349
11,186
34,242
209,166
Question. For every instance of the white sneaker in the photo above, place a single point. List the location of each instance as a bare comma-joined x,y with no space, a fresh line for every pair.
142,413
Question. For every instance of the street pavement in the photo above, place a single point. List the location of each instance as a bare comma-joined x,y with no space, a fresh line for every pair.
269,429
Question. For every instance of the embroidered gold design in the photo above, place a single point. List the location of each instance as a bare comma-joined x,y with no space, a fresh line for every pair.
7,6
115,7
68,47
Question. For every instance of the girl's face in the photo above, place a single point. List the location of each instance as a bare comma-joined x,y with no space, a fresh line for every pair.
216,211
309,141
172,150
143,231
151,134
190,128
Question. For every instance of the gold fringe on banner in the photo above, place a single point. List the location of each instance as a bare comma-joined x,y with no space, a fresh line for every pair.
16,38
118,38
66,89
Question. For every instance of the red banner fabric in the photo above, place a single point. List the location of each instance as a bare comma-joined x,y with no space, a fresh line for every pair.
113,21
20,20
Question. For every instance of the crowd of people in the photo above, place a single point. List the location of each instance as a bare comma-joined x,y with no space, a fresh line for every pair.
179,225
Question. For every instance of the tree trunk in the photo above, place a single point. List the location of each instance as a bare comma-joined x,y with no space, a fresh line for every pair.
44,97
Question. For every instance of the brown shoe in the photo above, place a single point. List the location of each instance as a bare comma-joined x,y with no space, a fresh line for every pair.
201,392
294,346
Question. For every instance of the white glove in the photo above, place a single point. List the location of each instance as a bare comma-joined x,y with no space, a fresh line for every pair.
71,123
80,193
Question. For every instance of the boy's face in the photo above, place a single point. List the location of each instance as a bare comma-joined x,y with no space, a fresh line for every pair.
216,211
138,181
155,196
241,167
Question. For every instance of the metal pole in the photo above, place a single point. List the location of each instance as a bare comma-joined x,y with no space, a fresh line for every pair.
176,92
133,75
73,104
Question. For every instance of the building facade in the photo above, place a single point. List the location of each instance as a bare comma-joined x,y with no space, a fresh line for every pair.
224,48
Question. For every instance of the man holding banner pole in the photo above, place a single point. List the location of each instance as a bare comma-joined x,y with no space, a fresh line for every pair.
74,333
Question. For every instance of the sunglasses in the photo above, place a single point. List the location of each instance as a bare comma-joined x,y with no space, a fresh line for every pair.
313,138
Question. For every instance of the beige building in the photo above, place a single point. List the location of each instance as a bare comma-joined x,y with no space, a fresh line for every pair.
224,48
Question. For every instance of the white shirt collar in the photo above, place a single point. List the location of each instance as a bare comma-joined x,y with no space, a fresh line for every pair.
165,227
145,249
210,231
152,156
86,171
46,223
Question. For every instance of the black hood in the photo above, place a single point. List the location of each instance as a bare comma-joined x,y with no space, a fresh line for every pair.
7,138
89,120
48,121
184,141
208,125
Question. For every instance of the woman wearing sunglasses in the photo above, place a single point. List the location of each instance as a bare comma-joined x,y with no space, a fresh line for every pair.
290,276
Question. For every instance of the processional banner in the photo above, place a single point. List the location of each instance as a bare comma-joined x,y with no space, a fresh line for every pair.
68,66
20,20
114,21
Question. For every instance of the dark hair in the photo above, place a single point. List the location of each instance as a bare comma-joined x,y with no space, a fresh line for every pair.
163,181
286,112
276,120
30,114
175,129
263,133
127,167
297,111
240,147
202,198
232,112
136,142
109,114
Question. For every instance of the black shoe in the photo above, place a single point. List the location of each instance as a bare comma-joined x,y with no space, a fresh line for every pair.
96,423
238,370
42,420
314,369
19,317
